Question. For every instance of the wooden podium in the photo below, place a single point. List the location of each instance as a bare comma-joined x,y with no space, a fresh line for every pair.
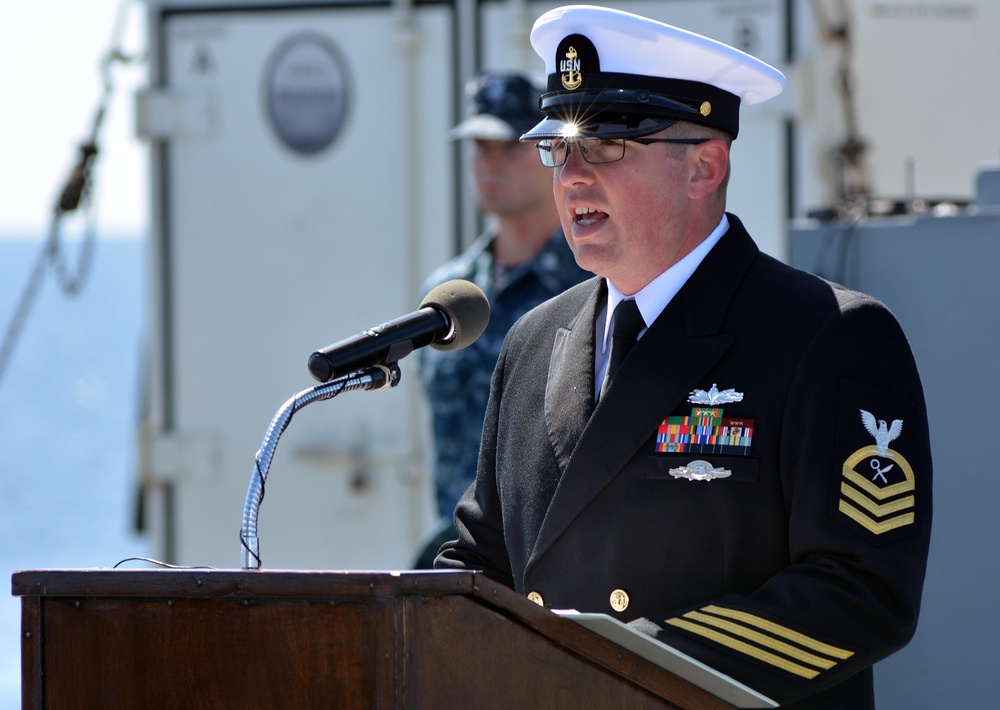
282,639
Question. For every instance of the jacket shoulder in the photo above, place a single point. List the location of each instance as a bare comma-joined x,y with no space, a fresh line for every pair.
560,311
804,290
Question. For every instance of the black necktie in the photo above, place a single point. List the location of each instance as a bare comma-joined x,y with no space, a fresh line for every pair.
625,326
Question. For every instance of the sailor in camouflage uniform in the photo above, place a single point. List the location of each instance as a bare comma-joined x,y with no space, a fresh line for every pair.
520,261
752,484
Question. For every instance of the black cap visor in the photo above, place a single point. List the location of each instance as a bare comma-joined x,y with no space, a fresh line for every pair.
612,105
611,113
626,128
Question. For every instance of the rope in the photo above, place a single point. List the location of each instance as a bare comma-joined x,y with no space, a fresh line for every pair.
77,191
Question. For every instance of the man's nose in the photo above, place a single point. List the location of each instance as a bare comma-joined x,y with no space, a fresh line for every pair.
575,169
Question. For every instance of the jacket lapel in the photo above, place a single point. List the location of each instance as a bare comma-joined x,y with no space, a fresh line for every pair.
671,359
569,390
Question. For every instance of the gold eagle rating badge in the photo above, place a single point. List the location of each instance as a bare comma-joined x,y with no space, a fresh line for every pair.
877,486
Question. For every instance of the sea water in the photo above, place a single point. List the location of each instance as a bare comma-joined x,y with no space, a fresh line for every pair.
70,399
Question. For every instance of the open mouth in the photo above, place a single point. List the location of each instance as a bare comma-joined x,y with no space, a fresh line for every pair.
586,216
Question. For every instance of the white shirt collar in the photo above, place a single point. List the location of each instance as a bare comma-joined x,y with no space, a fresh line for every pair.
654,296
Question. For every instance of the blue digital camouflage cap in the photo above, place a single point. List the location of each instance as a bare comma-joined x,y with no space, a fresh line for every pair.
502,106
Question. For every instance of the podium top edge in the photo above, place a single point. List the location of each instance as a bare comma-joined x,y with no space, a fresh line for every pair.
179,583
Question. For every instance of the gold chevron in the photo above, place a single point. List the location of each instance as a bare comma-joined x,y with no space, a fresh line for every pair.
869,487
879,511
878,528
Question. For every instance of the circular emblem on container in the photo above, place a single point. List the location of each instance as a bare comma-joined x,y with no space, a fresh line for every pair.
619,600
537,598
306,92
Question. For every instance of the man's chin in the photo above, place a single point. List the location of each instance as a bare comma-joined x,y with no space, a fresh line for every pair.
590,258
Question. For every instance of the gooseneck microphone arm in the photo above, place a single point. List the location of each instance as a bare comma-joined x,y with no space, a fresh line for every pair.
451,317
373,378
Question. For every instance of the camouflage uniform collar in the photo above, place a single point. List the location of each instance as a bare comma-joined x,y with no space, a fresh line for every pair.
548,266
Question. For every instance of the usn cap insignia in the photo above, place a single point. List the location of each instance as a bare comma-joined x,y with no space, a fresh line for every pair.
576,58
877,485
571,77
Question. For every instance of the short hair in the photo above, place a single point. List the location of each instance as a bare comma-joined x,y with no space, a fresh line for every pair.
686,129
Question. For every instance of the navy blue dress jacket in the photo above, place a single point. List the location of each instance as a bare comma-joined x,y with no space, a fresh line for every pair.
754,489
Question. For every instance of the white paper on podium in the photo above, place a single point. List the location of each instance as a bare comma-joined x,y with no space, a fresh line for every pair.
680,664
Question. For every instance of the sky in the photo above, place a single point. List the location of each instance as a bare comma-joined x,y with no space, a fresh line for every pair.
50,88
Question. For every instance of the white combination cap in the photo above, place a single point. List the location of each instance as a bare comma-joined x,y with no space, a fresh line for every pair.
615,74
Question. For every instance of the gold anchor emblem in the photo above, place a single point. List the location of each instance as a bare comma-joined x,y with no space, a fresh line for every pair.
571,78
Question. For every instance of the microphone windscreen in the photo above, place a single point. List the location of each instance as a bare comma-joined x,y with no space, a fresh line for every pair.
467,308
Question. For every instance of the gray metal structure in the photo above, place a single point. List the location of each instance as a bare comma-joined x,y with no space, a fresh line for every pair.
935,267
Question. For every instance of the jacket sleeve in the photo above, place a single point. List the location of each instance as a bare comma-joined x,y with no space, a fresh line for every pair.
855,468
478,518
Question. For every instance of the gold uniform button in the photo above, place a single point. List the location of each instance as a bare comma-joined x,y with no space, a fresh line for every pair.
619,600
537,598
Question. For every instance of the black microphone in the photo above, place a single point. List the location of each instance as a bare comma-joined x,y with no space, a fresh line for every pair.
451,317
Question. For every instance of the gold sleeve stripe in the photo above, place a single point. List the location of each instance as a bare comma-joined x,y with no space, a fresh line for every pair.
762,639
752,651
878,528
779,630
874,508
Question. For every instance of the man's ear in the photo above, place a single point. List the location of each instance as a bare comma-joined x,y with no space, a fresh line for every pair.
709,165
